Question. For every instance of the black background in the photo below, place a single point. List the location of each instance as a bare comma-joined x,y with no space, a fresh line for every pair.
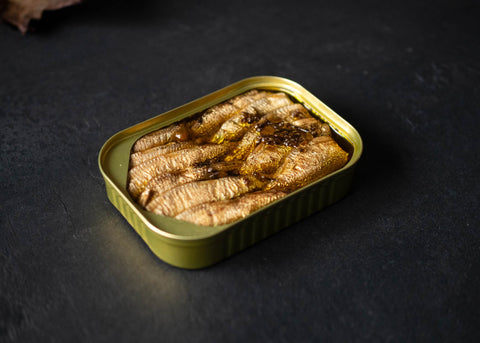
397,260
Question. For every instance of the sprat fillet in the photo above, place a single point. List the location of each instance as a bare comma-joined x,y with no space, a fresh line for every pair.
226,211
192,194
321,157
173,162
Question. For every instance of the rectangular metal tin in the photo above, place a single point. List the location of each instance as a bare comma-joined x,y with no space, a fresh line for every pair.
190,246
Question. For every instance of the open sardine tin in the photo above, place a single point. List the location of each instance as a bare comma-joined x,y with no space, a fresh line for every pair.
186,245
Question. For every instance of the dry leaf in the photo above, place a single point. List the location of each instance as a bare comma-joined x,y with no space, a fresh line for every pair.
20,12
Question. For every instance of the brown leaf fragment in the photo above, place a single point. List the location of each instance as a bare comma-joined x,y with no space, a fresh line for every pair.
20,12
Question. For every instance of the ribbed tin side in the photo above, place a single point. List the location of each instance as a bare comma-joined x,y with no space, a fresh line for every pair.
125,210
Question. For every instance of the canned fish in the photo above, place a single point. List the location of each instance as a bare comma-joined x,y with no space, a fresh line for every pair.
212,177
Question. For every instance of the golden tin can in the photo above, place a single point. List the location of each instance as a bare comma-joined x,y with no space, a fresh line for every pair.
191,246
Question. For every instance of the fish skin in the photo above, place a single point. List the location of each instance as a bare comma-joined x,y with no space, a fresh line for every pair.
277,139
265,159
250,139
175,132
215,116
245,99
299,116
271,103
246,144
321,156
139,157
164,182
325,130
227,211
314,126
289,113
160,184
192,194
211,119
140,175
236,126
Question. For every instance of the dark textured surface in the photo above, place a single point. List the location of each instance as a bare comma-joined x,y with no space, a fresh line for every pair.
397,260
